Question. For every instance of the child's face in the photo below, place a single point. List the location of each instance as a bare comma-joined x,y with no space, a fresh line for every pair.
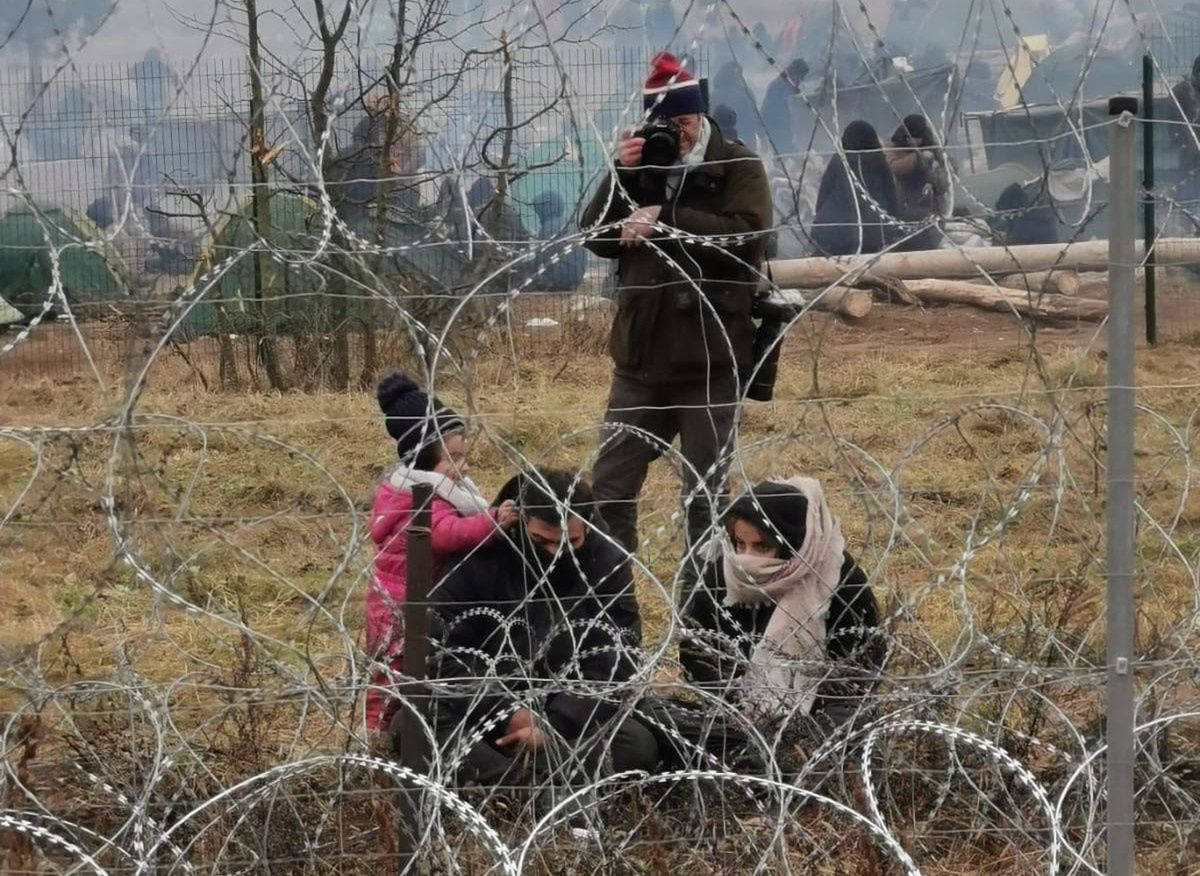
453,462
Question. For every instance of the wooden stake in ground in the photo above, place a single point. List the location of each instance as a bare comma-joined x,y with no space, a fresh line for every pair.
1052,307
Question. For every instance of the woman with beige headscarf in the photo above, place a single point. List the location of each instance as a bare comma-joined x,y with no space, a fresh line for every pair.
785,621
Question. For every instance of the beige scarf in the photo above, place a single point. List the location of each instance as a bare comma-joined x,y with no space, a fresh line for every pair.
789,663
462,494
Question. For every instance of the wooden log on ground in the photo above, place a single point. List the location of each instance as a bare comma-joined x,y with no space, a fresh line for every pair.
1050,282
843,300
1094,282
846,301
1050,307
970,262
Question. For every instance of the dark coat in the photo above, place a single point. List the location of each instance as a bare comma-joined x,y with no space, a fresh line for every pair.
921,194
1187,94
846,222
777,114
499,623
853,614
662,332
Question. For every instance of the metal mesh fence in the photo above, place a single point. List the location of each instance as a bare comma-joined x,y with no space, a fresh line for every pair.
146,174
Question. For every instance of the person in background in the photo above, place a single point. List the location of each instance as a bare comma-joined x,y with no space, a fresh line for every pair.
856,203
785,622
661,24
1184,136
1023,215
364,169
495,216
726,120
923,191
561,266
777,106
431,442
729,87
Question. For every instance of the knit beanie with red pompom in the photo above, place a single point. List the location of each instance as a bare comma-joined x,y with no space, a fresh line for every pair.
671,90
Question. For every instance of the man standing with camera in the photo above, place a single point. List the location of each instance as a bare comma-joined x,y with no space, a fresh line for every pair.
685,213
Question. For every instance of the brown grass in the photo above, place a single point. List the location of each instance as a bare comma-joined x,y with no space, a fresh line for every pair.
230,513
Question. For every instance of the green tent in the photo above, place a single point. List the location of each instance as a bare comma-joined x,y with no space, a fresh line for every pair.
304,290
1060,76
559,172
295,227
90,268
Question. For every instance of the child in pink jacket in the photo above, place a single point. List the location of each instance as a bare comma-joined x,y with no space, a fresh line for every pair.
432,446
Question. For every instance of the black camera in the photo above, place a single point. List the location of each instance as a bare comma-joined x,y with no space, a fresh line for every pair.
768,341
661,148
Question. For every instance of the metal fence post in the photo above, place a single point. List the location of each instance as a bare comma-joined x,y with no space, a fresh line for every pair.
1120,508
414,745
1149,230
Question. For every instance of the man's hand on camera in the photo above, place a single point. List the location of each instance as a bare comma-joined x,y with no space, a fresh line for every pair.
639,225
629,149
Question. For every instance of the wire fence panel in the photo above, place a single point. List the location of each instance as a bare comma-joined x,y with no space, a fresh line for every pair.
151,169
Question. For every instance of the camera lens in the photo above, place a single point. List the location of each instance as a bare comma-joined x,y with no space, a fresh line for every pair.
661,148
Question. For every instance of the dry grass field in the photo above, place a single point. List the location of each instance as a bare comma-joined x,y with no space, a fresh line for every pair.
964,456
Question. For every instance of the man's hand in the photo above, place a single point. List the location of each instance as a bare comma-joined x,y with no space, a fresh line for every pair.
639,225
521,734
507,514
629,149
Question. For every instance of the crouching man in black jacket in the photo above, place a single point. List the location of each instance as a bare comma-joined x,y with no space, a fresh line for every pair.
535,639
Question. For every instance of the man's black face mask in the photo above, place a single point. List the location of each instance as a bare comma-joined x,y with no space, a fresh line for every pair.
548,544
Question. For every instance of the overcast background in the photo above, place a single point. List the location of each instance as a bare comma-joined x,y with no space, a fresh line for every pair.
122,30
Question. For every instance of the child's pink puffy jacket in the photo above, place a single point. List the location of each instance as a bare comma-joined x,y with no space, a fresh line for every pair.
450,533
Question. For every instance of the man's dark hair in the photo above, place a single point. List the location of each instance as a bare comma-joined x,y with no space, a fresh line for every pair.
797,69
544,493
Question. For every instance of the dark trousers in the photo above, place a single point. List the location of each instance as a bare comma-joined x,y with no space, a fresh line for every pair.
642,420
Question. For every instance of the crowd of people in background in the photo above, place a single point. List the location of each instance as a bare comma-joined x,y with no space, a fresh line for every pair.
871,189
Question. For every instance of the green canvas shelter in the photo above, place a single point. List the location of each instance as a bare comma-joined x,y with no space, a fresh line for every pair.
298,289
559,172
303,291
1060,76
89,267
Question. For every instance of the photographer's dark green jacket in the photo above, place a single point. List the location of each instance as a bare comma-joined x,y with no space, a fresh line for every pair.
719,221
